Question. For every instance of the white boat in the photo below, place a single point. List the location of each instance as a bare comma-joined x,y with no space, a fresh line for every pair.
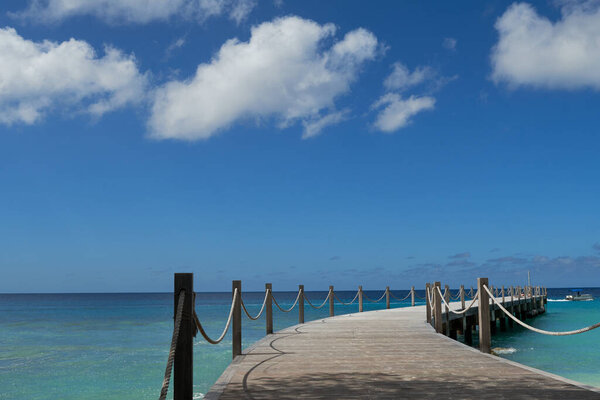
578,296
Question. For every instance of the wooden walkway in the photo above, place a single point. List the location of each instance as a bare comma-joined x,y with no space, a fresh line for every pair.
387,354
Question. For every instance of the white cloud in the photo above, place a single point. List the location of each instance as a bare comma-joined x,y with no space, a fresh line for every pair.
284,71
449,43
532,50
396,112
137,11
39,76
401,78
316,126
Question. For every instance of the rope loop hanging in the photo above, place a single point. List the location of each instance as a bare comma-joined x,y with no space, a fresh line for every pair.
262,308
345,304
321,306
374,301
289,309
458,312
399,299
220,338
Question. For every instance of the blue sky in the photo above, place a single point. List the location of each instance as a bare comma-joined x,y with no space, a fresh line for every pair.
297,142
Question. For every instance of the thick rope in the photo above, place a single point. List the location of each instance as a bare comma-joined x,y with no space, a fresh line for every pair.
543,332
346,304
324,301
220,338
418,297
262,308
399,299
374,301
165,385
289,309
458,312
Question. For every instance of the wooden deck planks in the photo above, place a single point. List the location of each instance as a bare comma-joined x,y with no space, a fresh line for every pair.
386,354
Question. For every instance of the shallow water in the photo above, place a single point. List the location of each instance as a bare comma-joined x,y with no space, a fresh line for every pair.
115,346
575,357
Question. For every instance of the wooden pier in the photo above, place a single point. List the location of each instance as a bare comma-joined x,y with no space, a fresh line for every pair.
408,352
386,354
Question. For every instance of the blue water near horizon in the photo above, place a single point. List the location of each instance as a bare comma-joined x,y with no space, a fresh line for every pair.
115,346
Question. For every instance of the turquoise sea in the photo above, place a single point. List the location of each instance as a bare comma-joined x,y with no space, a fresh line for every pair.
115,346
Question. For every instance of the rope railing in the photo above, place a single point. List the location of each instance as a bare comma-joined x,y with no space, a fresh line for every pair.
220,338
345,304
262,308
417,296
374,301
167,379
289,309
531,328
450,308
321,306
405,297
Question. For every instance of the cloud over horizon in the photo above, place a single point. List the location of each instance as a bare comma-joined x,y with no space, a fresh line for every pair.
283,72
534,51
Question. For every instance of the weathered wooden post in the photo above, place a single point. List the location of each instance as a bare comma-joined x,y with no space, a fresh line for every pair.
387,297
503,317
360,299
427,303
236,328
412,296
331,301
183,372
437,299
301,304
447,298
462,306
269,307
485,338
511,323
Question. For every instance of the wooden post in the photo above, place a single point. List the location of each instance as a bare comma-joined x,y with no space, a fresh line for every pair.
462,305
387,297
427,304
331,301
511,323
269,307
485,338
301,304
447,298
183,372
236,328
437,299
412,296
360,300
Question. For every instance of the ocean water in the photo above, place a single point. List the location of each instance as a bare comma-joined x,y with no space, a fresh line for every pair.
575,357
115,346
